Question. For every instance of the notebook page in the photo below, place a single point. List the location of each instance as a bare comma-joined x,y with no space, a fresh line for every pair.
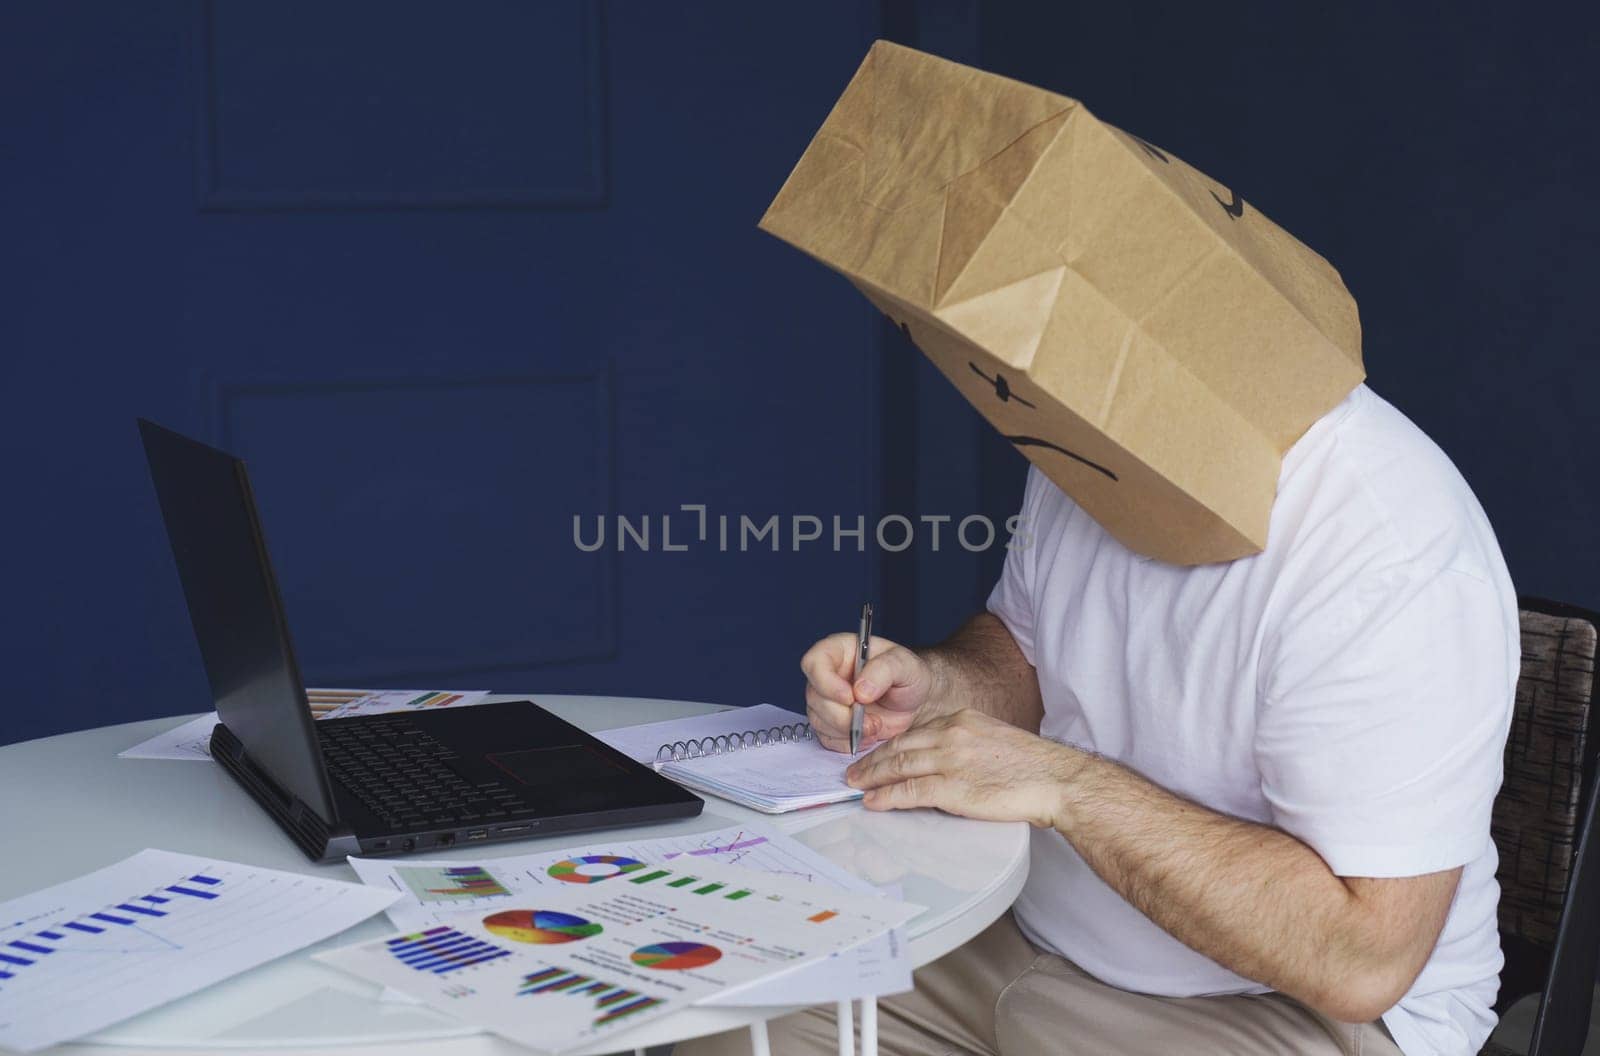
640,742
797,770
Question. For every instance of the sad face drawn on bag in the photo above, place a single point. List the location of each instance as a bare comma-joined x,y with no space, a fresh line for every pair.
1234,208
1003,391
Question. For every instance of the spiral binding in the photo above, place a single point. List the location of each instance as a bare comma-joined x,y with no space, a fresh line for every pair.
728,743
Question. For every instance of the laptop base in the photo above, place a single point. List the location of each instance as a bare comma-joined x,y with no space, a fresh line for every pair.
606,790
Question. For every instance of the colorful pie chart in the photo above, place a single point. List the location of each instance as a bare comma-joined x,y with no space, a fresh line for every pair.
542,927
676,956
592,868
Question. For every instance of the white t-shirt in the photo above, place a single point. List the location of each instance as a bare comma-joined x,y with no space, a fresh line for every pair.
1351,685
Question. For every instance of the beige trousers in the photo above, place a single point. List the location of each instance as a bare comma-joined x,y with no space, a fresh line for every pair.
999,996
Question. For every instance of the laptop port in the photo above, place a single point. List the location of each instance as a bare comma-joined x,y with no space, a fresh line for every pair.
380,845
447,839
503,830
478,834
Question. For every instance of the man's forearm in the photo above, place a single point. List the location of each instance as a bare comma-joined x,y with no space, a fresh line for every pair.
1250,897
981,667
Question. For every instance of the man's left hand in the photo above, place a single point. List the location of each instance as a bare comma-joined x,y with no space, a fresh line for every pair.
971,764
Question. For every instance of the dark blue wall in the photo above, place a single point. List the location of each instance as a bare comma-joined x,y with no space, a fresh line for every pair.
446,276
300,229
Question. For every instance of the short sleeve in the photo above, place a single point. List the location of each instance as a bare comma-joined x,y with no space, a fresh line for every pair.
1383,721
1013,599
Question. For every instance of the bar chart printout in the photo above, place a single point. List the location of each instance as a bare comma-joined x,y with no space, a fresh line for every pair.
545,1003
590,961
880,967
612,1003
452,885
82,955
443,950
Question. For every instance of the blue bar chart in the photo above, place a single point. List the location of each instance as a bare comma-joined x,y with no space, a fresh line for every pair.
81,955
18,954
443,950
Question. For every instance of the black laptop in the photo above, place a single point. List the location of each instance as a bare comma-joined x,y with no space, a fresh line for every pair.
382,784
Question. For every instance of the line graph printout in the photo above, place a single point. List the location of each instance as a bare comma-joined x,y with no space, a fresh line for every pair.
879,967
572,961
82,955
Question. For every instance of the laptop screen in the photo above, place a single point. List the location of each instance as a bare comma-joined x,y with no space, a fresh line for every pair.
237,614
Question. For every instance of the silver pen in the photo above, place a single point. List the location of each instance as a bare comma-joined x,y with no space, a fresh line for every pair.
858,713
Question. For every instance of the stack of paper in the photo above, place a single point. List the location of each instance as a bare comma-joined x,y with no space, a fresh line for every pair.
591,944
430,893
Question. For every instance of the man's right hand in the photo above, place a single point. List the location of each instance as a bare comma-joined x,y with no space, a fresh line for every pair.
896,686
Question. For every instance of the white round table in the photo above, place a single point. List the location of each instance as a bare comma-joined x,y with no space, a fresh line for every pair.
73,807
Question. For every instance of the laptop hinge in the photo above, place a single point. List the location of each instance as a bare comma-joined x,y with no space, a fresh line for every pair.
308,829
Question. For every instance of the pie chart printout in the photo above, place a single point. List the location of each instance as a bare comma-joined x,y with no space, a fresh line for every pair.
676,956
542,927
593,868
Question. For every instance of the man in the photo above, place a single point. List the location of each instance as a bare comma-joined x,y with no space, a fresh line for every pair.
1261,789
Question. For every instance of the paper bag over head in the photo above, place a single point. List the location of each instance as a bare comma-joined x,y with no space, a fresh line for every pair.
1141,333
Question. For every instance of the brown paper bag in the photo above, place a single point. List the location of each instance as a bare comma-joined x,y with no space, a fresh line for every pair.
1142,334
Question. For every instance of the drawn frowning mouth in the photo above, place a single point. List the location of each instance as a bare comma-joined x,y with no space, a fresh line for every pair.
1034,441
1002,389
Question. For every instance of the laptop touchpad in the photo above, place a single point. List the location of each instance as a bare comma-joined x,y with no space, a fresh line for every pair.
544,767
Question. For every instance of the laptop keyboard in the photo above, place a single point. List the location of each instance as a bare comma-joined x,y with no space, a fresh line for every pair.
401,774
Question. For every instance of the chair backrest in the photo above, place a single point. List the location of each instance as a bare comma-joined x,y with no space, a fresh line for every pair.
1549,769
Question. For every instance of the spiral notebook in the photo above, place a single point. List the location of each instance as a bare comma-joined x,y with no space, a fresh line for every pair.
761,757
